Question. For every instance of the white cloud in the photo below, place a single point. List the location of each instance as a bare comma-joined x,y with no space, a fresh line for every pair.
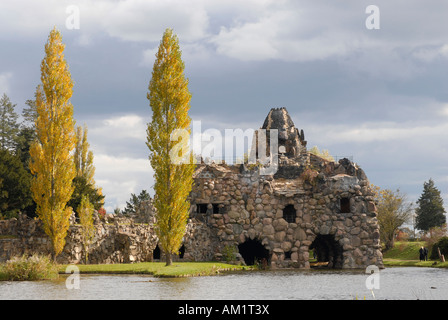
249,30
282,34
429,53
123,127
121,176
130,20
121,164
31,17
375,132
146,20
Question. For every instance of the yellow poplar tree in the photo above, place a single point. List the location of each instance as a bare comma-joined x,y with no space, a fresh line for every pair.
167,140
85,212
85,170
52,163
83,156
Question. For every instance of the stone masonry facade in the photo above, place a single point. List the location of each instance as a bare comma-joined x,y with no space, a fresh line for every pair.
309,203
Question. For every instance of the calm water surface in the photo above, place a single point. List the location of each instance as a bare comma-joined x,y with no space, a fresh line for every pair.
395,283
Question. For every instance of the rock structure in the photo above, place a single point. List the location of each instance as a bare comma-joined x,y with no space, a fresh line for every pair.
118,239
308,204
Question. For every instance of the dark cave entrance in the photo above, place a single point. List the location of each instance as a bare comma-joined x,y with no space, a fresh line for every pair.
156,253
253,252
182,251
327,251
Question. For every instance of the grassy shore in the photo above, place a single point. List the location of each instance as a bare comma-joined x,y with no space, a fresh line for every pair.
405,254
158,269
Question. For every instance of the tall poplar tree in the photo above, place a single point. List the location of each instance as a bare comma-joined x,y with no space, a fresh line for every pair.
169,99
430,211
84,181
52,162
84,156
85,212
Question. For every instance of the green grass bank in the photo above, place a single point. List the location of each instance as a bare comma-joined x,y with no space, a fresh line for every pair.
405,254
158,269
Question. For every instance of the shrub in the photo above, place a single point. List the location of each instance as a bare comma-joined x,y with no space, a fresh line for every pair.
102,213
29,268
442,244
229,253
310,175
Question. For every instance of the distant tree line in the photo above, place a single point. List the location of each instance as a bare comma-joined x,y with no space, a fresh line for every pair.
16,138
394,210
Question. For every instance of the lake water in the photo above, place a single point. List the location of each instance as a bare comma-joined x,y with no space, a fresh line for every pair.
394,283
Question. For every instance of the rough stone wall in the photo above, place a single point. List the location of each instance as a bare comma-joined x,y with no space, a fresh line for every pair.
117,240
22,236
243,205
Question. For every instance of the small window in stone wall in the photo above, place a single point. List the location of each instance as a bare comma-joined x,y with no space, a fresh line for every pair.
202,208
215,208
287,255
345,205
289,213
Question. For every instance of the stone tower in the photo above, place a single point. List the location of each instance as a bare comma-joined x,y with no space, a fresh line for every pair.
291,142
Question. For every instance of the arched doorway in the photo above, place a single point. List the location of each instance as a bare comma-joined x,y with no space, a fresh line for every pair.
327,251
182,251
253,252
156,253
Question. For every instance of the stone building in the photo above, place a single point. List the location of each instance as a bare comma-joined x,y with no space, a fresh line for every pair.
242,212
308,205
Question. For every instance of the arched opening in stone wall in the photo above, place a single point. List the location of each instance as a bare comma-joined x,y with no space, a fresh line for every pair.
289,213
328,251
253,252
156,253
182,251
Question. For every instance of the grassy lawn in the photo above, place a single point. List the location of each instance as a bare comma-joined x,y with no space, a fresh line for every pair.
405,254
404,250
158,269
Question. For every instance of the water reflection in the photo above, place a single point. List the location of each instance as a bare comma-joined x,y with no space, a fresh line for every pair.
395,283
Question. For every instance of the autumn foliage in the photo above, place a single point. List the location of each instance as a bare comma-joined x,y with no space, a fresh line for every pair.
52,163
169,99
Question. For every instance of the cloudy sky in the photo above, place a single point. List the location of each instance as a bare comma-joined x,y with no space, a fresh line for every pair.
378,95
